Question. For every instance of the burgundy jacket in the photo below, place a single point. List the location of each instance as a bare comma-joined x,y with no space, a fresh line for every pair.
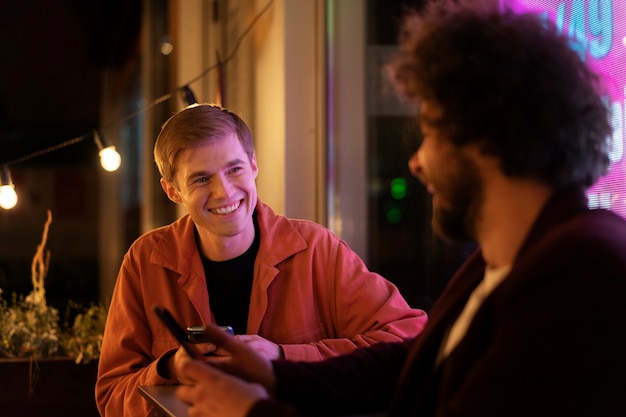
549,341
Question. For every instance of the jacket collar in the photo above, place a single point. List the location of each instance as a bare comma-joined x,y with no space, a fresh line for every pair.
279,238
177,249
560,207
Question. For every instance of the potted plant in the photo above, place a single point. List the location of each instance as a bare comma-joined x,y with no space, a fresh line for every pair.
59,359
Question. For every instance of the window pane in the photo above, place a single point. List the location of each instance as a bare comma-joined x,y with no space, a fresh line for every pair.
402,246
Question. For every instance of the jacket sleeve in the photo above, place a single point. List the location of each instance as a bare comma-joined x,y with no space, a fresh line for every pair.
126,359
360,382
272,408
364,309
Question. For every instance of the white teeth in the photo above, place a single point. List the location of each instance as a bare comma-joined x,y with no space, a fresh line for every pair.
226,210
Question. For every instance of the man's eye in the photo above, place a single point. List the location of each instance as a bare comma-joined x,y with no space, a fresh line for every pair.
235,170
202,179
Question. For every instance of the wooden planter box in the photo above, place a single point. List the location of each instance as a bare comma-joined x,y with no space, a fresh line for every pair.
62,388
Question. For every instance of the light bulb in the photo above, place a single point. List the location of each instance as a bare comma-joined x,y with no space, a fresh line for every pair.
166,45
110,159
8,196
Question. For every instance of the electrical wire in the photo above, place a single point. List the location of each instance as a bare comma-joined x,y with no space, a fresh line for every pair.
153,103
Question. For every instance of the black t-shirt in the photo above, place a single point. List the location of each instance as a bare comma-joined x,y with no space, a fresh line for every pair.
230,284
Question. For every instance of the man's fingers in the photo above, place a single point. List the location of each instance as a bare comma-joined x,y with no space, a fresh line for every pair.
220,338
193,369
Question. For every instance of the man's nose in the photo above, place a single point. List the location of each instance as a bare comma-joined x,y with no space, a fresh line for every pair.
222,187
414,165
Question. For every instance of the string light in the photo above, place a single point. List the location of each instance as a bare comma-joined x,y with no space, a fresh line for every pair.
8,196
110,159
166,45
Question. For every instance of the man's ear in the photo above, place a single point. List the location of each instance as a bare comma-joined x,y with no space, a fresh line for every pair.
254,166
170,191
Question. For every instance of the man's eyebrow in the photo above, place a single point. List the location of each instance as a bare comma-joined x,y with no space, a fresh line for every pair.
229,164
199,174
234,162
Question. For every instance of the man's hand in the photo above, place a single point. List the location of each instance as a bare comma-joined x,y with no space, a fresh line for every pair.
212,392
175,361
267,349
239,358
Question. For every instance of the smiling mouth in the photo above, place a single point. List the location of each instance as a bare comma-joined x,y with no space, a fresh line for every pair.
226,210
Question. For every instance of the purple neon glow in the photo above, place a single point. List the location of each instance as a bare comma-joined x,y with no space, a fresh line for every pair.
597,29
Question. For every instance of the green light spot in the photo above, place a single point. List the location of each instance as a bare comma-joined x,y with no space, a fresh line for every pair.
394,215
398,188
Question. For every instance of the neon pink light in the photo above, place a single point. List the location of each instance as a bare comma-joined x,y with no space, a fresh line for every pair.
598,30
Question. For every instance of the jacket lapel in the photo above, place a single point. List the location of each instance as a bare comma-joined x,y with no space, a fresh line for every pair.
417,380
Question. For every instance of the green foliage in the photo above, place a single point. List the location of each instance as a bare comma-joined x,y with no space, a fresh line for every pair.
83,339
30,328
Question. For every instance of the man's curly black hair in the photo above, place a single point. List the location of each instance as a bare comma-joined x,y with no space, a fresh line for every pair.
512,84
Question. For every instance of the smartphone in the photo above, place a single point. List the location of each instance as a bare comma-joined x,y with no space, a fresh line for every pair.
176,330
196,333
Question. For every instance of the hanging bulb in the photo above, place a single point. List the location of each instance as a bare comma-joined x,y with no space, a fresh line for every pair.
189,96
110,159
8,196
166,45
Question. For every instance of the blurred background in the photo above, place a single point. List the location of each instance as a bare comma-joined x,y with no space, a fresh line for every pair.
332,141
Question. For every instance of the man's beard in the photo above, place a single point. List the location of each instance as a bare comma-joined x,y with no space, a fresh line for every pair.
456,217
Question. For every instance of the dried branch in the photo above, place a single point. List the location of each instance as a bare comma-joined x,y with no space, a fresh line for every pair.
39,267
